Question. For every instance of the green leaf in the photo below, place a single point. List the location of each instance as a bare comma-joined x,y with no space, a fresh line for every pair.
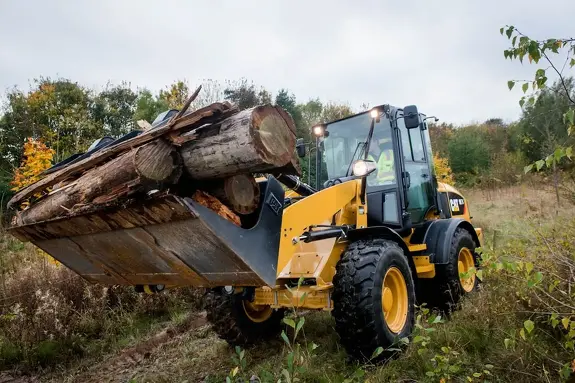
565,322
285,338
528,168
302,298
525,87
522,102
289,322
436,319
290,357
528,267
522,334
489,366
558,154
501,30
549,160
300,281
510,84
479,274
569,152
514,40
509,31
569,116
539,164
300,324
477,374
377,352
529,325
507,342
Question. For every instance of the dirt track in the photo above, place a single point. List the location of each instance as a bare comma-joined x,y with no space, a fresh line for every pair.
148,360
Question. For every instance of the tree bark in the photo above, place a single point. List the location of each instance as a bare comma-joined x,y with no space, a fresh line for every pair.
252,141
240,192
148,165
190,120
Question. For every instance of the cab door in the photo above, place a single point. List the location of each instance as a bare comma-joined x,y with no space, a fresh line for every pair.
418,180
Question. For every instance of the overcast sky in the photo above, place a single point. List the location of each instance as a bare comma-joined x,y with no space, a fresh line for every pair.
444,56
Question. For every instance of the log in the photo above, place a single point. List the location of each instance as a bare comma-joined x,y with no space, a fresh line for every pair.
240,192
252,141
214,204
190,120
148,165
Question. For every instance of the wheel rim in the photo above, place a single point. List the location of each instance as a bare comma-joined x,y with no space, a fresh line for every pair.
394,300
257,313
465,263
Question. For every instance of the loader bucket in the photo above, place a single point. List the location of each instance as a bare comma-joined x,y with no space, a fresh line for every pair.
167,240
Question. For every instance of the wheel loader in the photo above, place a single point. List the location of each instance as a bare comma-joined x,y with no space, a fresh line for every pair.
375,235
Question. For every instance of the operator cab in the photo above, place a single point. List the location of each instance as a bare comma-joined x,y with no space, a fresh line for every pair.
402,190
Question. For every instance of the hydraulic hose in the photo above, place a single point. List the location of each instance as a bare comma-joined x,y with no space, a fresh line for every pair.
296,185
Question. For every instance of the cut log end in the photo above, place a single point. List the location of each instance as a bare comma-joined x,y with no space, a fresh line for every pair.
240,192
156,161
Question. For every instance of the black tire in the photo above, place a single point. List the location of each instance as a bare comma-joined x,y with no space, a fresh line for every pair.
229,320
358,312
445,291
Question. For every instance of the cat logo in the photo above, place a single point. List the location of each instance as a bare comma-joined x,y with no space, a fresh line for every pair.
457,205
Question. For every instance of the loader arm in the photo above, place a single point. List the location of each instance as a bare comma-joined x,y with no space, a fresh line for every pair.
336,205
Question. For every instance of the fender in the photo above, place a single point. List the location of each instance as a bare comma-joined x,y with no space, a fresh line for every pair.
438,237
380,232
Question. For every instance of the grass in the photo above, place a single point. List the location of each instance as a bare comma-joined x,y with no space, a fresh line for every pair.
480,342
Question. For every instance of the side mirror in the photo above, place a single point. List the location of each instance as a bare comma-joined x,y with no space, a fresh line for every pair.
300,147
411,117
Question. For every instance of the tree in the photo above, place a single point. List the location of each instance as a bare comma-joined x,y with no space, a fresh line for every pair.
148,106
442,170
56,111
468,152
544,50
245,94
176,94
37,158
114,108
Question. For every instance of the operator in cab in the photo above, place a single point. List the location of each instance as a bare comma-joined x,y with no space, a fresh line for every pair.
381,152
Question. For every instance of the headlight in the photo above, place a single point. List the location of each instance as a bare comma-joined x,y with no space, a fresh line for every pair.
374,113
318,130
362,167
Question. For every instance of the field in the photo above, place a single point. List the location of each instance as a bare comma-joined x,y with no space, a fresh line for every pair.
54,328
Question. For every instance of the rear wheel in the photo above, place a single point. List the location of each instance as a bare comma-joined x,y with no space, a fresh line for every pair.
454,279
239,321
373,297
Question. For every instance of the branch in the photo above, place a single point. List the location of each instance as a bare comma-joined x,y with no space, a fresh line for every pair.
560,77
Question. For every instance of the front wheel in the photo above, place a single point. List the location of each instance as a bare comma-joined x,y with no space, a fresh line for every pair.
239,321
374,297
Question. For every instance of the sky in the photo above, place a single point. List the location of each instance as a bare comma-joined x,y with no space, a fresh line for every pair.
444,56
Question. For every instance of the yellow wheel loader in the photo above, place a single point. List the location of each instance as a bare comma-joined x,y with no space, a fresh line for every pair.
376,234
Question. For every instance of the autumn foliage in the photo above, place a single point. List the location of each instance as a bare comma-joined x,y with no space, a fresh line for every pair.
443,170
37,158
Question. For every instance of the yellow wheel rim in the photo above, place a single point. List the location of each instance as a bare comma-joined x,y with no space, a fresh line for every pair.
394,300
257,313
465,263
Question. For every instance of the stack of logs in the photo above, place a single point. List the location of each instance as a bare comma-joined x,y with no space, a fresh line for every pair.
217,149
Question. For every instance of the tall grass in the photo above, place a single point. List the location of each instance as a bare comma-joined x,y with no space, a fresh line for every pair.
50,315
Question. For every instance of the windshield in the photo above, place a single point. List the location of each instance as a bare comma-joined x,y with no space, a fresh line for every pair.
346,142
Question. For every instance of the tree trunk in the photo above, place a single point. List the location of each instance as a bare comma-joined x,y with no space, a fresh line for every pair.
240,192
254,140
147,165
